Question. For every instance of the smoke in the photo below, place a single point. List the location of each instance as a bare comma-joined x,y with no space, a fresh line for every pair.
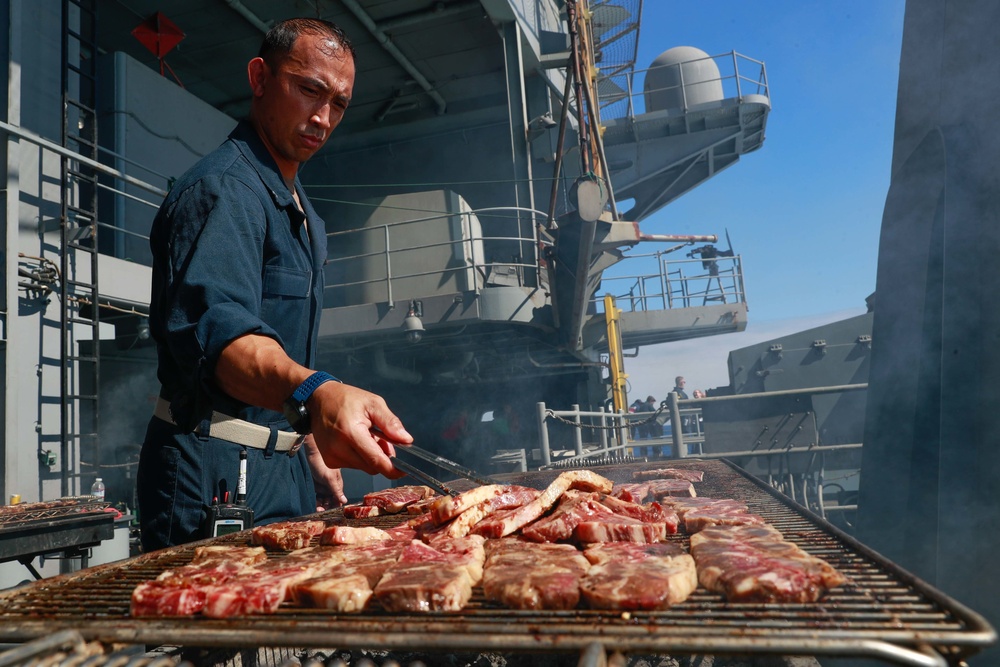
128,393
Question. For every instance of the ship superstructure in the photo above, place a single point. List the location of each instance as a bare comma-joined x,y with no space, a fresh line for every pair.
497,158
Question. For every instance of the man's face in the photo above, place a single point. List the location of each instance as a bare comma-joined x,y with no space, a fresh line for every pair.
298,102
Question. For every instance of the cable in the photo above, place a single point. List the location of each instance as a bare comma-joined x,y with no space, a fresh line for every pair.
428,184
436,213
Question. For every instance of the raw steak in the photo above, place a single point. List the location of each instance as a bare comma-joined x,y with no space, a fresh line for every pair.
396,499
650,513
229,553
261,592
505,523
700,513
661,488
571,511
522,575
428,579
637,577
422,506
616,528
633,493
629,552
345,578
508,497
344,593
494,496
153,598
755,564
352,535
182,591
286,535
670,473
360,511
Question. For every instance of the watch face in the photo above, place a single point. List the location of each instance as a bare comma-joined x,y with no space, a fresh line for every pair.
297,415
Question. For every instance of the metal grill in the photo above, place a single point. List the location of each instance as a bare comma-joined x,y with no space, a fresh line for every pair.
68,523
16,515
884,612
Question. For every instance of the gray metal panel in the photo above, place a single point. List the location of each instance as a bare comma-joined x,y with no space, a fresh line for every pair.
842,359
770,423
149,115
434,245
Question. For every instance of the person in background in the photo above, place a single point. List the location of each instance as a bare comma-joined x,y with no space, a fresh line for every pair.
237,291
650,430
634,431
697,420
679,387
686,422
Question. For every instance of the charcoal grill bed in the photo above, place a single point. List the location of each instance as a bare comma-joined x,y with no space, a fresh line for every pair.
884,612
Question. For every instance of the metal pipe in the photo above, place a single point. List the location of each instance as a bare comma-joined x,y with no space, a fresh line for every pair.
47,645
682,238
603,431
437,10
574,45
595,121
675,425
736,73
836,389
810,449
252,18
388,269
563,123
543,434
578,431
386,42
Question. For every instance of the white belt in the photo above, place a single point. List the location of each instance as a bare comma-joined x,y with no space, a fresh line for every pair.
239,431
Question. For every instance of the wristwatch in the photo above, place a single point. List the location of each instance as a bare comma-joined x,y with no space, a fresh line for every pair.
294,407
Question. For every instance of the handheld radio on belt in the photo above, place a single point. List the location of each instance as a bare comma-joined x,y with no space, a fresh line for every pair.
227,517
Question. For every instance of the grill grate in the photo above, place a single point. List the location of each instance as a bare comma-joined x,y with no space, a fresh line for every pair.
882,612
19,515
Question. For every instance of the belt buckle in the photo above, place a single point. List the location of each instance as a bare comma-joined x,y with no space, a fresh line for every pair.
294,449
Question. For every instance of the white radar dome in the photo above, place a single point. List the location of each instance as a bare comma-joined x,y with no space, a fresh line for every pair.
681,77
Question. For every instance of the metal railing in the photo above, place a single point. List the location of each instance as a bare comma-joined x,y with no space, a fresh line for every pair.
118,177
679,433
678,283
406,258
624,95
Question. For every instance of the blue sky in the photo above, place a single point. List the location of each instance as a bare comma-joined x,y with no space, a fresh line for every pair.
804,211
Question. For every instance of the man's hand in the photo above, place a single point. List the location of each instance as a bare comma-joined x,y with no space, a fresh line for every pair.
328,481
255,369
354,428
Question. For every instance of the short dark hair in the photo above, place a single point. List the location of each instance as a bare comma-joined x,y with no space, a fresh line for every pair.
280,39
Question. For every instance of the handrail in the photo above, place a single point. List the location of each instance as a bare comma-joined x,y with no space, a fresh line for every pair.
739,75
22,133
670,287
678,440
472,246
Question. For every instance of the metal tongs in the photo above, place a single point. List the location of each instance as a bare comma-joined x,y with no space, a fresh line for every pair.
421,476
441,462
449,465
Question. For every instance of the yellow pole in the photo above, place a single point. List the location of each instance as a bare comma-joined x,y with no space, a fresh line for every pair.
612,316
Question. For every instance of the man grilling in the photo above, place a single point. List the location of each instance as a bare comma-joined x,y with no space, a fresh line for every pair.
237,289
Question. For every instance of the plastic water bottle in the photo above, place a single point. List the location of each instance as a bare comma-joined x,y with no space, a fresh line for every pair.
97,489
